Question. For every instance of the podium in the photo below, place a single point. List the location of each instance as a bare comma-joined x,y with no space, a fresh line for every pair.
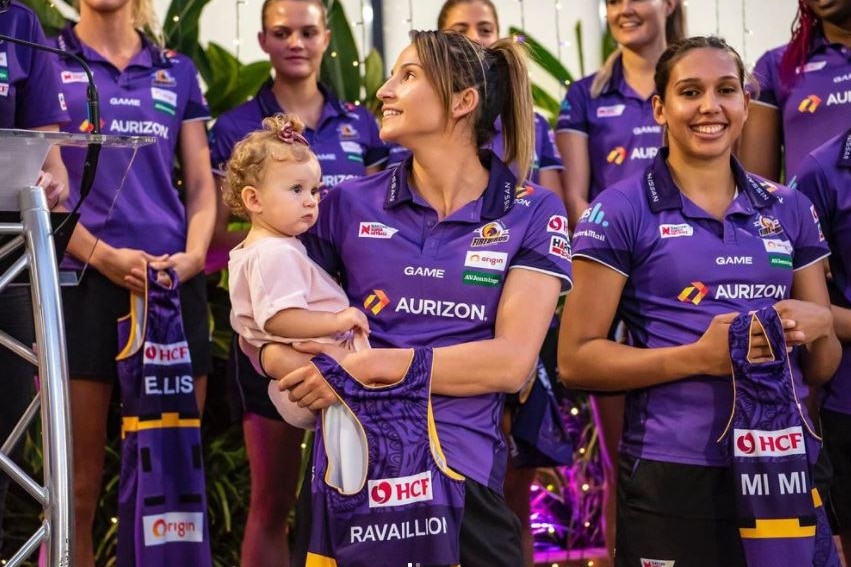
30,245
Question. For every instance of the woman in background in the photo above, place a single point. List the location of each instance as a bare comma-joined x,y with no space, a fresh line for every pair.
141,85
803,91
606,133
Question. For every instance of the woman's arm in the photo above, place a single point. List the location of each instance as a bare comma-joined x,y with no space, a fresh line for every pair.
588,359
573,147
759,146
200,202
810,310
500,364
551,179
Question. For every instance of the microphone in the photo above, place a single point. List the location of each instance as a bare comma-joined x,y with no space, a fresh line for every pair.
90,163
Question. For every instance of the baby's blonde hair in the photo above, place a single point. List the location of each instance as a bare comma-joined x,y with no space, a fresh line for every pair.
280,139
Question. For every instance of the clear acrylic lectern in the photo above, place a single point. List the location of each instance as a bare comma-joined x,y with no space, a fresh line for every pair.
31,240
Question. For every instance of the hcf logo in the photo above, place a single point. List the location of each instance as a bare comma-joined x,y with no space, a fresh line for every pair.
809,104
694,293
376,301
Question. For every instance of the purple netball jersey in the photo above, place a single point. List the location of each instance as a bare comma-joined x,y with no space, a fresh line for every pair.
825,177
29,83
772,449
153,96
406,504
425,281
623,137
683,267
816,106
161,504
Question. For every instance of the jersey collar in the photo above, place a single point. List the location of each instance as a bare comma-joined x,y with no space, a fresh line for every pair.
497,199
663,194
269,106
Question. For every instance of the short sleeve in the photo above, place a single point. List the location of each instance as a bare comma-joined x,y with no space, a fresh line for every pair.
40,95
809,243
376,150
196,107
766,74
574,109
272,293
546,244
545,140
606,231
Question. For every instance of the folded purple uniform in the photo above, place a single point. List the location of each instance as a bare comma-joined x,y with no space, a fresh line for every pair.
161,502
402,505
772,449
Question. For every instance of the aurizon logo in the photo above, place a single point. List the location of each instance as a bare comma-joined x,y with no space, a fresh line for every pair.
809,104
694,293
376,301
617,155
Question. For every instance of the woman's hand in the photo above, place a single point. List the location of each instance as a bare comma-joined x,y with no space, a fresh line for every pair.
186,266
54,190
713,347
126,267
306,386
804,321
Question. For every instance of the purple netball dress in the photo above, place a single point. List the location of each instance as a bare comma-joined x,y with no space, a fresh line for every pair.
161,501
393,502
781,520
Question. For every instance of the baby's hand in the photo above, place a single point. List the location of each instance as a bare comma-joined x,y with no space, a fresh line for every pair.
352,318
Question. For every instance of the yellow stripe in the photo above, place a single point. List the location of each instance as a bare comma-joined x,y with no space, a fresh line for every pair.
437,449
816,499
314,560
785,528
131,424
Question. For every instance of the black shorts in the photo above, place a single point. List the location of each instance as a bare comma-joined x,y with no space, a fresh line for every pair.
253,387
684,514
490,531
92,308
836,428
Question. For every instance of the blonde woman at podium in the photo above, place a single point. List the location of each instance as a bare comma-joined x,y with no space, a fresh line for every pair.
30,98
144,90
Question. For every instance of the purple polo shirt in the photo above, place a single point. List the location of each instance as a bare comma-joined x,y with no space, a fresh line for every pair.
825,177
546,155
623,137
683,267
345,140
818,104
153,96
423,281
30,94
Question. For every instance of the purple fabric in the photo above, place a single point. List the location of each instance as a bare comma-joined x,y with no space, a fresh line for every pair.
425,281
772,449
816,106
408,511
30,94
161,495
825,177
153,96
683,267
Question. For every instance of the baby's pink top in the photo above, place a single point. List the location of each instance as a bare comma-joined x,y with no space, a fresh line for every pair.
273,274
